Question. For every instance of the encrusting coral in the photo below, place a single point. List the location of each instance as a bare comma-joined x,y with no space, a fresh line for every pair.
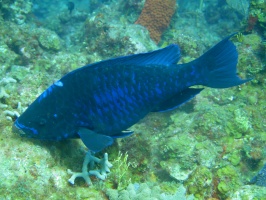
156,16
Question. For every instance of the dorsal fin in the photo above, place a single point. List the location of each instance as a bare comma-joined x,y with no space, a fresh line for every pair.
166,56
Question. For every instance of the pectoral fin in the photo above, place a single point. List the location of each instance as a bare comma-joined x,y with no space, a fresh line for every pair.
94,141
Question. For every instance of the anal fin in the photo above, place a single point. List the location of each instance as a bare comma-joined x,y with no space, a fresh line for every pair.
177,100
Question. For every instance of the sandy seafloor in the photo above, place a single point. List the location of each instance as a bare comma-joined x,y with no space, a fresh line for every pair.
209,148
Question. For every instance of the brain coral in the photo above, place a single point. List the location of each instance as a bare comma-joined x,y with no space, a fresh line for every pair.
156,16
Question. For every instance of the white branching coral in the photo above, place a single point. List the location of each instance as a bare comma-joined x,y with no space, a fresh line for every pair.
10,114
4,82
90,160
7,80
3,94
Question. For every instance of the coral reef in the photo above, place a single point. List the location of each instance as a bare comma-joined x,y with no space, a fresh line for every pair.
156,16
214,144
99,36
18,10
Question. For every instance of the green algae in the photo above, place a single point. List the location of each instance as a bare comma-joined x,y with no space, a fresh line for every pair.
235,158
120,176
206,153
257,9
229,180
253,40
199,183
240,126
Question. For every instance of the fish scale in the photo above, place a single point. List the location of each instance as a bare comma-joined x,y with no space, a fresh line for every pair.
124,103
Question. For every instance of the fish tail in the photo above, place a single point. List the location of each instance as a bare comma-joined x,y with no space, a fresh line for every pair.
219,65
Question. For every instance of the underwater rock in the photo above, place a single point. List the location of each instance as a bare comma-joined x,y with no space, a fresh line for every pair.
3,94
7,57
241,6
49,39
175,170
229,180
199,183
249,192
19,10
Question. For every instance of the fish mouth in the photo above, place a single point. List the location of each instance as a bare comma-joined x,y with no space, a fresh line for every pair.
22,129
16,129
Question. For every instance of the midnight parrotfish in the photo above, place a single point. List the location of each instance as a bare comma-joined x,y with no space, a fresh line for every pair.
100,101
70,6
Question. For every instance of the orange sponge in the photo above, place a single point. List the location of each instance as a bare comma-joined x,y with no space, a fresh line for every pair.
156,16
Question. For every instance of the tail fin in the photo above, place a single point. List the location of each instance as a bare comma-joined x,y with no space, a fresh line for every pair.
220,64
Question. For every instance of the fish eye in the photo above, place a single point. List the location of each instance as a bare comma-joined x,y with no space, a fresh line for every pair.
42,122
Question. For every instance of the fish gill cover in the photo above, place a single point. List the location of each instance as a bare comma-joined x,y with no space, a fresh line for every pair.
210,148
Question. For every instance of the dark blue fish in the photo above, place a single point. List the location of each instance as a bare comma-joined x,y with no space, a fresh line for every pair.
260,178
70,6
100,101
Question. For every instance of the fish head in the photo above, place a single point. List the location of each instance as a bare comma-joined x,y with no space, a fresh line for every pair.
45,118
27,126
